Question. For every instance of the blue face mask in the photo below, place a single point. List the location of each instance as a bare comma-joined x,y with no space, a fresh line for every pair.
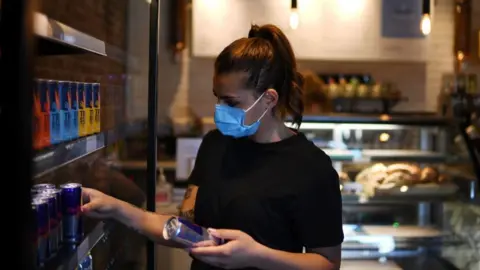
231,121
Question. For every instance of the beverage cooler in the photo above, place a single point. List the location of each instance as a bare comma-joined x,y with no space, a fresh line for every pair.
76,80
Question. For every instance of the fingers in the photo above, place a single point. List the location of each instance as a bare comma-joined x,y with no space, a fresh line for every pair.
206,243
225,234
87,191
222,250
86,194
89,207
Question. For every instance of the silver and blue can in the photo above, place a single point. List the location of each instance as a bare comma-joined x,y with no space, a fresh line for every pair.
71,208
187,233
41,229
53,238
87,263
58,194
38,187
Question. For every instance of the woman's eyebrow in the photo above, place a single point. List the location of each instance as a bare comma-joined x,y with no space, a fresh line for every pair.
224,96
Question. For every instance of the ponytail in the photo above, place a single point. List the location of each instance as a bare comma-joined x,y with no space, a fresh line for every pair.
296,104
290,88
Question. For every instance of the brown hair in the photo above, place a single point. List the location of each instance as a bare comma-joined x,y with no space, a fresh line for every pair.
314,92
268,59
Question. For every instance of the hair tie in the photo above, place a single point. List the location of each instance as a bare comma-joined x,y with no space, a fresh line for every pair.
254,31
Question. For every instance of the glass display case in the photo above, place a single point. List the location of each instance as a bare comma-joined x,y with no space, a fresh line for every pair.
82,73
406,155
397,172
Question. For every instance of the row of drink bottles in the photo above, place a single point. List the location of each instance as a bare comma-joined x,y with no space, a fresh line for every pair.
57,218
64,110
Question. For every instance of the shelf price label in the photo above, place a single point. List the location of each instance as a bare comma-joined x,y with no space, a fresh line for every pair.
91,144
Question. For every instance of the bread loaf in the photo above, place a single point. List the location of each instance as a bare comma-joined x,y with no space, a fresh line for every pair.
413,170
400,178
429,175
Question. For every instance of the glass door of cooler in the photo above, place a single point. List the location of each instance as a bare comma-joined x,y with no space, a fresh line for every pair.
90,100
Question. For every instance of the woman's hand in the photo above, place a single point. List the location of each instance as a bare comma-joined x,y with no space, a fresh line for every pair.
98,204
238,252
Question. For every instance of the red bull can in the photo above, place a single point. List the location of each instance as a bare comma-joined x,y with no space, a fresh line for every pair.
87,263
53,238
187,233
96,106
41,229
58,217
89,110
55,125
38,187
74,110
65,106
71,208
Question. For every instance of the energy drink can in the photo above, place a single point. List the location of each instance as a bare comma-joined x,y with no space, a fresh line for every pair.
65,105
58,194
41,114
41,229
187,233
71,204
82,123
89,112
96,107
42,186
53,239
37,116
54,95
74,110
87,263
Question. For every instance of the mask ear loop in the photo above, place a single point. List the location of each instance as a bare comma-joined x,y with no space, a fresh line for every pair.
264,113
256,101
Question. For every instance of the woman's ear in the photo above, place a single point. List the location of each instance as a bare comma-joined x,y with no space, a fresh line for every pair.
271,97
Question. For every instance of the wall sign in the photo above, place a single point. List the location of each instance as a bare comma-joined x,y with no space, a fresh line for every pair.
401,19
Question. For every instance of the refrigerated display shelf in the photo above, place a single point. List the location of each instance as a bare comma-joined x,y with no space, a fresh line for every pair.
352,199
377,155
69,257
58,38
62,154
410,119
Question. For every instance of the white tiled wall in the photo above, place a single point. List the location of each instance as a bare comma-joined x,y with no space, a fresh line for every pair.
417,81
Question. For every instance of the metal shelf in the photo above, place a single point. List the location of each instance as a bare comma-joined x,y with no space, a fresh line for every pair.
407,119
367,242
367,156
58,38
69,257
62,154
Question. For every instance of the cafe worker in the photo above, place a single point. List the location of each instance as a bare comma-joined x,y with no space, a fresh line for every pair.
263,187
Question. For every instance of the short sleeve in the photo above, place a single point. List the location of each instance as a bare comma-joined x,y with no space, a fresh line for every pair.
317,212
197,175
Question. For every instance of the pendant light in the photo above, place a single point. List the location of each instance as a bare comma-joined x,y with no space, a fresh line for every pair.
426,22
294,17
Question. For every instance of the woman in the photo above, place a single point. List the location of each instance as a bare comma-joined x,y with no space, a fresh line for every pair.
265,188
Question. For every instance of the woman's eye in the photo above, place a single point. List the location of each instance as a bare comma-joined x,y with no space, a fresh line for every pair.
232,103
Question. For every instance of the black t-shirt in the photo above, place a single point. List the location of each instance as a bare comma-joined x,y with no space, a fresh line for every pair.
284,194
